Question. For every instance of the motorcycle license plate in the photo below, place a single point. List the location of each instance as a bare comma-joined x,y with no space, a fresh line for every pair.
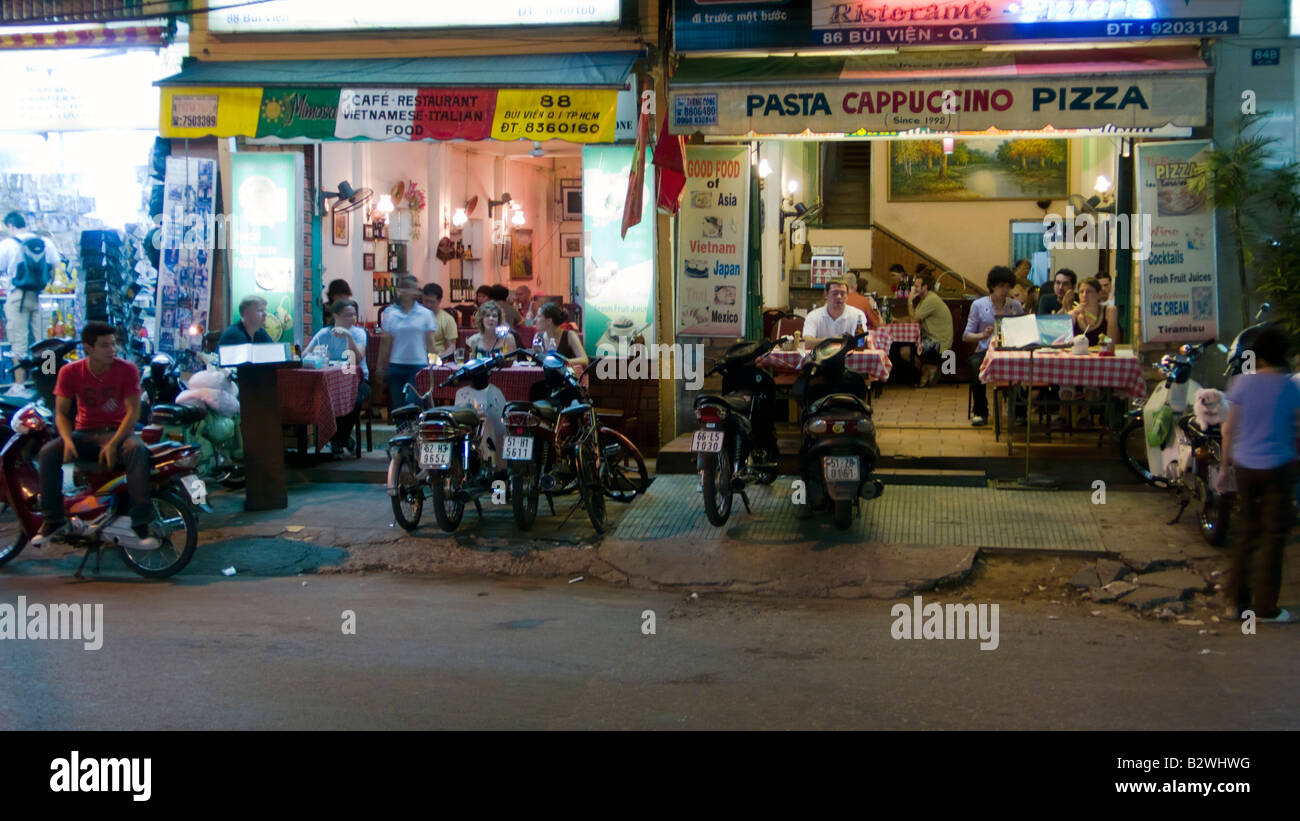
197,489
519,448
706,441
840,468
435,454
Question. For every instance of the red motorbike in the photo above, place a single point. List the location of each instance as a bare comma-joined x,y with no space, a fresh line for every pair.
96,507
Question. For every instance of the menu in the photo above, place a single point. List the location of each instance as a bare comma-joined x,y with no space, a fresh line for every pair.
712,261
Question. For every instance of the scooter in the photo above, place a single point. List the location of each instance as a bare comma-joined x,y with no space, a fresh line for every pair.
736,441
96,507
44,361
839,449
1186,458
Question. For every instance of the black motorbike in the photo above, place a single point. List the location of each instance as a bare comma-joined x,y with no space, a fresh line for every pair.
736,442
839,451
42,365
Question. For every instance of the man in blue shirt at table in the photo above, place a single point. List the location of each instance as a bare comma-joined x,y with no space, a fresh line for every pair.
252,316
984,313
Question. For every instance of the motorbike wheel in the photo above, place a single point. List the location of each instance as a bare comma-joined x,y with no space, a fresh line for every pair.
408,504
446,509
843,513
1212,517
234,480
170,513
13,548
715,479
1133,452
589,486
623,475
524,480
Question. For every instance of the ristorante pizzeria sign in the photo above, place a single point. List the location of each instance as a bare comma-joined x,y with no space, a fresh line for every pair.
945,105
721,25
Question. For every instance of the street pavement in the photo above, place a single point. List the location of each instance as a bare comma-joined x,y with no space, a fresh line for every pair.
208,652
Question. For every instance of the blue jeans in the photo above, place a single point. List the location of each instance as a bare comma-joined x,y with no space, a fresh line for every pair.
397,378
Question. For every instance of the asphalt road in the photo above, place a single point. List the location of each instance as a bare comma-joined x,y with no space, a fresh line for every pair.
211,652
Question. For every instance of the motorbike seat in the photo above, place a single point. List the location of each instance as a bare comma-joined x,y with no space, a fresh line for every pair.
576,410
405,413
459,415
547,411
178,414
735,402
839,402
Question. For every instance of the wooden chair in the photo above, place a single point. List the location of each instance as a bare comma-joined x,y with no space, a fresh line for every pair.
378,388
770,317
788,325
785,326
465,315
622,419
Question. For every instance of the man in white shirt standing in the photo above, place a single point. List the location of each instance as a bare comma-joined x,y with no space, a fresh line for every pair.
835,318
21,305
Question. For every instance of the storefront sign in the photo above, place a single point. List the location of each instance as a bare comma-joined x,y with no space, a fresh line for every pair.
241,17
618,282
209,112
1179,283
713,243
721,25
947,105
185,267
265,251
576,115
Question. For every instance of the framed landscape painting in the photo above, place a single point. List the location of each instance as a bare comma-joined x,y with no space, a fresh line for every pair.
987,168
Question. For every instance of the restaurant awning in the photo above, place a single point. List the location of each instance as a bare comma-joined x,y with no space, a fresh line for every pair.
1123,89
569,97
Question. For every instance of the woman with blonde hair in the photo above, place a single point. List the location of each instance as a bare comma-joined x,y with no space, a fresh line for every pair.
486,342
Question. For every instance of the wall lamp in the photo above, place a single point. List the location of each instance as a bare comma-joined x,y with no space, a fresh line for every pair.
492,204
798,211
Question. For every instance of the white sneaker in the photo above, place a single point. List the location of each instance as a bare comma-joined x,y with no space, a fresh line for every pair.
977,421
17,390
147,539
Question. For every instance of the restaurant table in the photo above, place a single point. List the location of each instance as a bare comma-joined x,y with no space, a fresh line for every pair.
1120,374
872,362
318,396
885,336
515,382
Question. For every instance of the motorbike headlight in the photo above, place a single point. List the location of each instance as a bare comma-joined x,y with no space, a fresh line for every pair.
816,426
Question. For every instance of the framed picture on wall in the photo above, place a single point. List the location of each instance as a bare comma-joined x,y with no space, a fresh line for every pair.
571,244
340,227
368,232
367,262
571,199
986,168
521,254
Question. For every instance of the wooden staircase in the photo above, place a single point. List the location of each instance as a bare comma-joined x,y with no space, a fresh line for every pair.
888,248
846,192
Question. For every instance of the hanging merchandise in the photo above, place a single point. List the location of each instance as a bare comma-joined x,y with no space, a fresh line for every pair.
184,278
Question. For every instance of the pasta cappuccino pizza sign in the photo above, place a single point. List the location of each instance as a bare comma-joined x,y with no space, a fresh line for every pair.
713,243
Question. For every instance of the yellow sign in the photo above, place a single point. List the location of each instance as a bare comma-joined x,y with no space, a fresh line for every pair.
209,112
575,115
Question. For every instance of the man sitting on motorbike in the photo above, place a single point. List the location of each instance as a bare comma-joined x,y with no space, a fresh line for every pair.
107,391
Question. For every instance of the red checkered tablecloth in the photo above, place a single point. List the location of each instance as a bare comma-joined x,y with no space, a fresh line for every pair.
317,396
515,382
1121,372
872,362
886,335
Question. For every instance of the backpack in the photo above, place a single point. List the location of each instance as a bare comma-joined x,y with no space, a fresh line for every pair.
33,272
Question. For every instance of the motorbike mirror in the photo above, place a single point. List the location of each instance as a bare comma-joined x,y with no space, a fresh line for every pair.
1222,348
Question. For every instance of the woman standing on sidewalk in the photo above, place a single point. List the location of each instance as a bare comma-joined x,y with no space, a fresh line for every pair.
1259,441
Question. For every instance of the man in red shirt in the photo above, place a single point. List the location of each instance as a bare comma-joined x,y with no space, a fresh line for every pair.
107,391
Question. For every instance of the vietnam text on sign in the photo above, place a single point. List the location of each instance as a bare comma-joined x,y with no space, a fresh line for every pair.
580,116
948,105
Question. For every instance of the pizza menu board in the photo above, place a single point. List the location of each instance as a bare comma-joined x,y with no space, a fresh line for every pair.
713,242
827,264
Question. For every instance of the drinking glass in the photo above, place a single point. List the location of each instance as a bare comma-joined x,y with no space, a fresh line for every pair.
459,356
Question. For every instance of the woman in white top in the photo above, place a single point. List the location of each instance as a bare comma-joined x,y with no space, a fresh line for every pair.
486,342
408,339
346,341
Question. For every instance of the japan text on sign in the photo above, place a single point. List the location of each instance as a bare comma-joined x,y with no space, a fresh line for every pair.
576,115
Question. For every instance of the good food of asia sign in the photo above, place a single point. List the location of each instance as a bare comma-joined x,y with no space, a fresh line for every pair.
948,106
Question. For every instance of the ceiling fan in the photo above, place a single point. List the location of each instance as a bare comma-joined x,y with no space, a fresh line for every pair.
537,150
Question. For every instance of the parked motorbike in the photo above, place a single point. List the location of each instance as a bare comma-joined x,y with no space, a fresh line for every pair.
1186,459
839,449
556,446
205,413
1237,356
736,442
406,481
97,507
44,361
